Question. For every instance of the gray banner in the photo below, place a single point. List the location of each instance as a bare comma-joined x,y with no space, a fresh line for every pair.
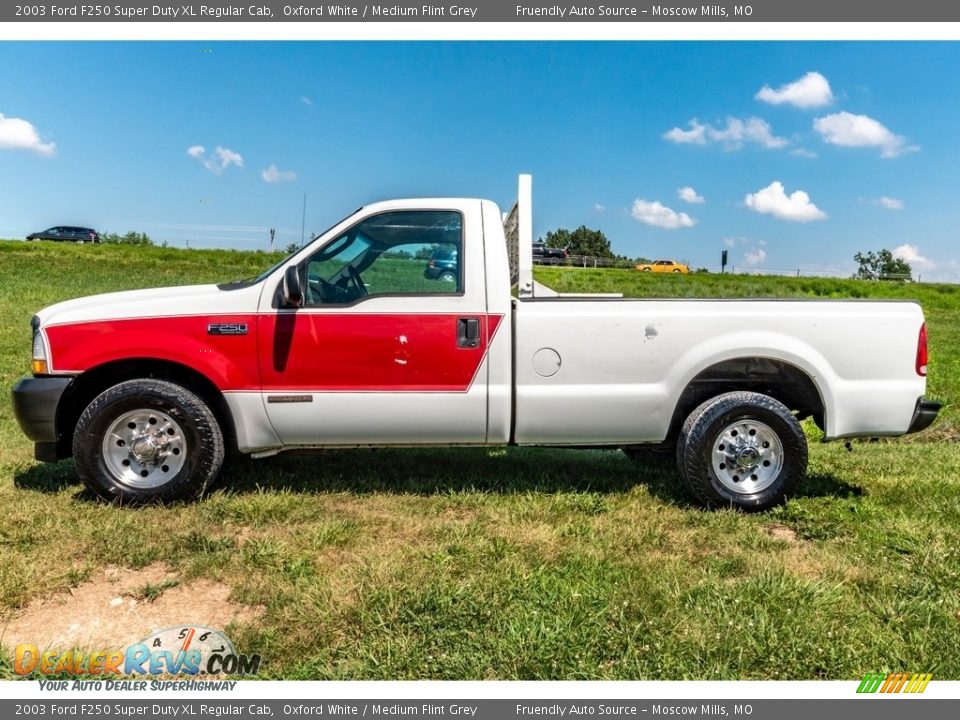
872,708
487,11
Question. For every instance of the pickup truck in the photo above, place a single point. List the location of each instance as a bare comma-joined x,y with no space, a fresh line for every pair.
545,255
348,342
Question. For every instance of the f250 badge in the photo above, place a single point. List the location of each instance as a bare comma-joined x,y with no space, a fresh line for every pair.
227,328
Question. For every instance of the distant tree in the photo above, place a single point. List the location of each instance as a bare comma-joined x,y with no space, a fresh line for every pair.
882,265
291,248
131,238
582,241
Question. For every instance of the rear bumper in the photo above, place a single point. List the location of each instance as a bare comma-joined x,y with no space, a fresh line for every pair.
35,402
924,414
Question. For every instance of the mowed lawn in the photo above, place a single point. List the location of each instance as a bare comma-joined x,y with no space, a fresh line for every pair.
514,563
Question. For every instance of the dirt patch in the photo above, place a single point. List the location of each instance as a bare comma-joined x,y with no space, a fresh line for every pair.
121,606
782,532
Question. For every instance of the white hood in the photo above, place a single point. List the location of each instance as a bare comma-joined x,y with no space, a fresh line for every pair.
155,302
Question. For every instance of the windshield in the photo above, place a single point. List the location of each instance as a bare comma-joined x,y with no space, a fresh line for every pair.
266,273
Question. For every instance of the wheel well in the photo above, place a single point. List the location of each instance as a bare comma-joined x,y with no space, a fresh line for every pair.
91,383
780,380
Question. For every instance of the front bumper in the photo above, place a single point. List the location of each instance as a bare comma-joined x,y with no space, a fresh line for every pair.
35,402
923,415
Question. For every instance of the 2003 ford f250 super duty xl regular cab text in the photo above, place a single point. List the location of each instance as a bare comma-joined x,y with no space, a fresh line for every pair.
352,341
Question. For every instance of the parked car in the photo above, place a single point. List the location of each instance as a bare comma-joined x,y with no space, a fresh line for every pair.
443,264
546,255
664,266
336,347
70,233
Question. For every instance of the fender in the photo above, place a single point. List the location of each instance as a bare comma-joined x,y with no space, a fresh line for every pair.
770,345
229,359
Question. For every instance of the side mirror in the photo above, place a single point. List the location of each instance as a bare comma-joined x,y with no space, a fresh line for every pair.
292,289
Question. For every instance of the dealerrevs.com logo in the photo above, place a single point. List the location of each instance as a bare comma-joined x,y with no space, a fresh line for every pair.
910,683
186,650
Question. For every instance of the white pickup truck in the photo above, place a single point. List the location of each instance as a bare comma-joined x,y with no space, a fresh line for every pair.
398,327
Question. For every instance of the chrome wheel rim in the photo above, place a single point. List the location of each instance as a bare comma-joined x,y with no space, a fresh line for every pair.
144,448
747,457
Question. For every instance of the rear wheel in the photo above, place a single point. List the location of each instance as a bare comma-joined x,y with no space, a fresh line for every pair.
147,441
742,450
448,276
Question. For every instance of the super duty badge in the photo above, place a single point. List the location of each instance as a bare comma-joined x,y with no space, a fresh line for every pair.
227,328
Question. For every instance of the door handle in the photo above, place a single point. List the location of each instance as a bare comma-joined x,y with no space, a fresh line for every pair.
468,332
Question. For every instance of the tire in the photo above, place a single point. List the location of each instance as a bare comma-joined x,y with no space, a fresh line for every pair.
741,450
646,270
447,276
146,441
677,271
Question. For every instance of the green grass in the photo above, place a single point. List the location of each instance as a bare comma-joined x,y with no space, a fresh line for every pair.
517,563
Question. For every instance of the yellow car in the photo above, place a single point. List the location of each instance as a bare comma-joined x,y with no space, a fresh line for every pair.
664,266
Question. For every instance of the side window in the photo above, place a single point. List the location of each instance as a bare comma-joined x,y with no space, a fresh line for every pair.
410,252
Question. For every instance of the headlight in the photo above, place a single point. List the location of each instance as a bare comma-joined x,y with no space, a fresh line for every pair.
39,364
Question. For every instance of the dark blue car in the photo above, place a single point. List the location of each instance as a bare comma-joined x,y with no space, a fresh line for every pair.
443,264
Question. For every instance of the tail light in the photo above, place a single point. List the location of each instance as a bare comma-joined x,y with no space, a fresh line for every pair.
432,264
566,253
923,354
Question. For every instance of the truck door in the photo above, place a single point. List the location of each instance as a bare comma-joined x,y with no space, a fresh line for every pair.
389,346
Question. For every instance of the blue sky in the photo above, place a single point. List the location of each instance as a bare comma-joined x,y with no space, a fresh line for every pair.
125,136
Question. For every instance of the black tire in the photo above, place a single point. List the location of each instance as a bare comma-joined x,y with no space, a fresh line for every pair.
779,460
447,276
197,433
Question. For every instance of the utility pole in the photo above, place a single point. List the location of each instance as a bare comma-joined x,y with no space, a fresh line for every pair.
303,219
273,232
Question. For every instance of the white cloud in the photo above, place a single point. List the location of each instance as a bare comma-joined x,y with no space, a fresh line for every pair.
274,174
911,253
306,101
734,136
696,135
803,152
688,194
755,256
849,130
227,157
19,134
772,200
659,215
729,241
221,159
889,203
599,209
810,91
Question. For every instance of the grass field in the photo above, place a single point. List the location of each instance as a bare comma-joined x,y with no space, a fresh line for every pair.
516,563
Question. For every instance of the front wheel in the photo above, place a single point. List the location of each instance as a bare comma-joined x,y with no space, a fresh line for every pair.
742,450
146,441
